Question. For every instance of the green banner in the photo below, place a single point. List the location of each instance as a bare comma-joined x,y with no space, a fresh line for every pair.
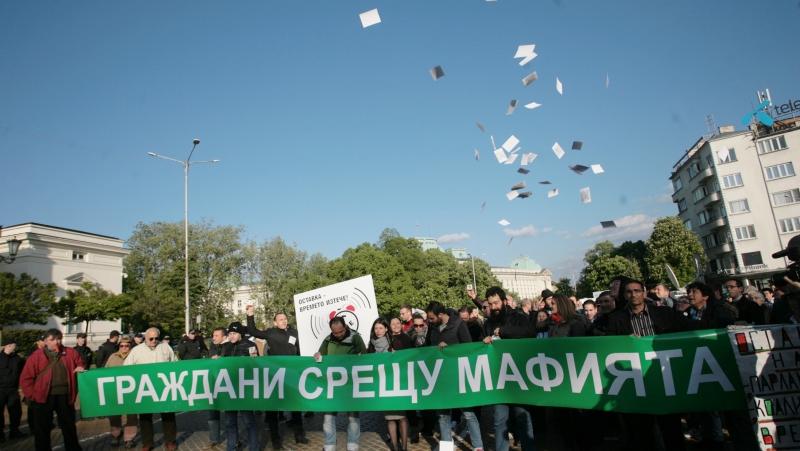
691,371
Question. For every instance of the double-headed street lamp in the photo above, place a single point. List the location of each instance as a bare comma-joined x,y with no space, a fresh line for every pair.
185,163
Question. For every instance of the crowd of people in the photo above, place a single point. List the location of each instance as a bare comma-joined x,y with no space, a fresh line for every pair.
48,380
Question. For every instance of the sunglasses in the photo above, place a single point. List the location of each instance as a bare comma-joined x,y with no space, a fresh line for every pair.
125,346
419,325
152,338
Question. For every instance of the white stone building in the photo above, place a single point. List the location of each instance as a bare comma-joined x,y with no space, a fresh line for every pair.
739,192
524,277
67,258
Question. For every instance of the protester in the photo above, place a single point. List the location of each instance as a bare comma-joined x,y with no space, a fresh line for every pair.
406,313
705,311
84,351
506,323
154,351
399,339
749,311
49,381
565,322
138,339
448,329
759,307
218,337
341,341
380,341
526,306
546,302
10,370
106,349
542,325
590,311
664,297
192,346
420,334
128,434
238,347
282,339
425,421
475,328
639,319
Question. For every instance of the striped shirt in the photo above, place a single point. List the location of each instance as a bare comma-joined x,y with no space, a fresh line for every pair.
641,323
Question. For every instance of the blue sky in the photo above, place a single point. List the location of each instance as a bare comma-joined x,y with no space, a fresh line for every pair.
328,132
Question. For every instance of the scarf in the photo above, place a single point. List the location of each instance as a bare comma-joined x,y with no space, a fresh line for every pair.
380,344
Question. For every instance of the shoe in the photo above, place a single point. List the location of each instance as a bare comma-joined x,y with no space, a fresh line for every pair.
301,439
2,437
14,435
212,446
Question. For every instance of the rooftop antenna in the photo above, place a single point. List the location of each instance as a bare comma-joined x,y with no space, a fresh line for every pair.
711,125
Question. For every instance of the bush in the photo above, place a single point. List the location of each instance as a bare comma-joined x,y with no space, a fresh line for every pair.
25,338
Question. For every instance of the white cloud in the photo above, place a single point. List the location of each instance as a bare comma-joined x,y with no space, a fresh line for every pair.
453,237
528,230
547,230
631,227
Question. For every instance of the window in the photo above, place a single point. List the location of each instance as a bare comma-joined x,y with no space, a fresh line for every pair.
694,168
699,193
738,206
772,144
711,241
780,171
77,256
239,303
752,258
786,197
677,184
732,180
688,224
709,161
703,217
746,232
682,205
726,156
790,225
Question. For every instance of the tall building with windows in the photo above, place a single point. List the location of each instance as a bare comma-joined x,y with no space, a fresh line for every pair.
739,192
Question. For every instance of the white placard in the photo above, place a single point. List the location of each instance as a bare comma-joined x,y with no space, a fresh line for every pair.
354,300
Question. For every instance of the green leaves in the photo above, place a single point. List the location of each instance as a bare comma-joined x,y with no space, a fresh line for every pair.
672,243
90,303
24,299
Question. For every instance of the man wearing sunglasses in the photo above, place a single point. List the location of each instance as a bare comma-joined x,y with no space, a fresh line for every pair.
152,350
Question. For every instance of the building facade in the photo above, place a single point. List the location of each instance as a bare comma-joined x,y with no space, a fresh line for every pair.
739,192
67,258
524,277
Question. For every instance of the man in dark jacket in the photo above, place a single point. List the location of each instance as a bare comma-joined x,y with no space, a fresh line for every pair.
281,340
106,349
749,311
10,369
446,328
640,319
236,347
506,323
218,336
85,352
706,312
191,346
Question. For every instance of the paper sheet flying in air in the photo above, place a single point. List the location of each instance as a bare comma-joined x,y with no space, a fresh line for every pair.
558,150
586,195
370,18
526,52
552,193
597,169
559,86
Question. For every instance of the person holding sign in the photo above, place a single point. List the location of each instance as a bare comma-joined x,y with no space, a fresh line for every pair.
281,340
341,341
236,347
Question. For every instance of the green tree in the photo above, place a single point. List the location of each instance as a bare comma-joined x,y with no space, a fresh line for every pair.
564,286
90,303
602,266
673,244
278,271
155,269
24,300
634,250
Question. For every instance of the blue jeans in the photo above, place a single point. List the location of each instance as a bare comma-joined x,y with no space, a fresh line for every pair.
472,424
523,422
232,429
214,434
353,431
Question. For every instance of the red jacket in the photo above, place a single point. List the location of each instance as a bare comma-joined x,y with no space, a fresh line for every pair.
37,391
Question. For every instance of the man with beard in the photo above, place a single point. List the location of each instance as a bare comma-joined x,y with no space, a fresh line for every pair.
505,322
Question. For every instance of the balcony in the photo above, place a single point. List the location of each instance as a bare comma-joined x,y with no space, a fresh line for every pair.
715,223
704,174
713,197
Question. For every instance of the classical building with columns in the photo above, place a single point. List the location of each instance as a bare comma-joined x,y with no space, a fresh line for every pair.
525,277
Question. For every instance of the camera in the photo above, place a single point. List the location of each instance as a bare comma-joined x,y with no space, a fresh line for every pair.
792,252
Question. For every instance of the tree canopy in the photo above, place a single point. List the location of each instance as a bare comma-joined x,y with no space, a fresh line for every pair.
672,243
24,300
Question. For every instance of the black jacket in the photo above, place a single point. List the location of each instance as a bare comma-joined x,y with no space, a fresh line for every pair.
279,341
401,341
238,349
104,352
716,316
454,332
86,355
575,327
214,350
10,369
751,312
191,349
664,319
512,324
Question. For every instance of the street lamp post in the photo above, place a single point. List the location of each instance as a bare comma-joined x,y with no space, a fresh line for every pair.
185,163
13,248
474,283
